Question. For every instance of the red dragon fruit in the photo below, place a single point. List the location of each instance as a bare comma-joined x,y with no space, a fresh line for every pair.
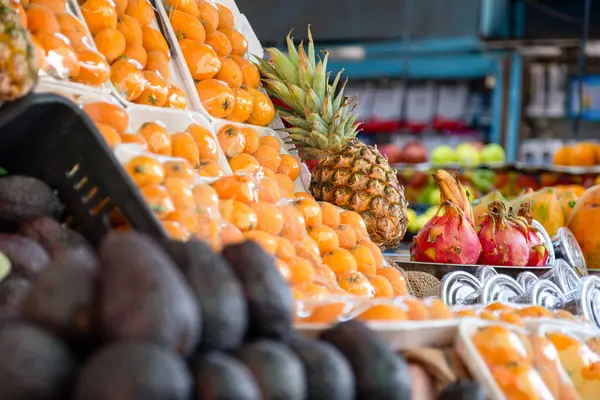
538,253
449,237
503,238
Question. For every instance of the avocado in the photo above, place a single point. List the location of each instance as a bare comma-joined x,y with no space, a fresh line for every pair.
134,371
27,257
222,377
277,370
379,373
61,298
23,198
328,374
34,364
13,292
143,296
463,390
56,239
270,302
219,294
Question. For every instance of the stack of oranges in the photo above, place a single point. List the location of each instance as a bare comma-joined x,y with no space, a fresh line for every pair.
60,42
138,53
214,51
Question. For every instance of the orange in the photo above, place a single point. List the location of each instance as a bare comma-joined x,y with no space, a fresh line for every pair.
325,237
301,270
268,157
270,218
145,170
120,6
225,17
263,110
331,215
157,136
179,169
285,249
206,142
135,138
289,166
230,234
111,43
158,62
364,259
268,191
231,140
239,44
41,18
209,169
236,187
217,98
382,285
109,114
241,109
202,61
286,184
175,230
74,30
375,251
250,74
220,44
310,211
209,16
110,135
184,146
231,74
210,231
128,78
356,283
284,269
354,220
396,279
153,40
239,214
176,98
383,312
244,163
135,53
189,7
156,91
99,15
270,141
340,261
207,200
309,249
294,227
266,241
93,68
158,199
186,26
186,218
131,30
141,10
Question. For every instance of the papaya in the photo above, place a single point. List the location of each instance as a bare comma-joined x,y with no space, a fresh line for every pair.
545,208
480,205
568,201
585,225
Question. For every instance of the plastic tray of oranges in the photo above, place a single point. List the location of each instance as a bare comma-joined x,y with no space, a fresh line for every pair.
221,80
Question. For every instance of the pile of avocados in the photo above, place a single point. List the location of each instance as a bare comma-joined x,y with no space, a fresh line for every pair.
131,320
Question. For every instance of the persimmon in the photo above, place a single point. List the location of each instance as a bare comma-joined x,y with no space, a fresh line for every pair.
375,250
301,270
131,30
175,230
346,236
93,68
189,7
110,135
120,7
109,114
225,17
340,261
231,140
251,139
202,61
439,310
145,170
74,30
141,10
270,218
50,41
184,146
250,74
263,110
311,211
230,234
294,227
284,269
230,73
41,18
158,138
239,214
153,40
111,43
210,231
239,44
285,183
382,286
289,166
244,163
56,6
158,62
186,218
60,57
186,26
241,110
158,199
308,249
99,15
128,78
356,283
325,237
176,98
207,199
179,169
156,91
269,140
205,141
181,193
236,187
136,53
263,239
135,138
354,220
383,312
209,169
396,279
364,259
268,157
331,215
220,43
285,249
209,16
268,191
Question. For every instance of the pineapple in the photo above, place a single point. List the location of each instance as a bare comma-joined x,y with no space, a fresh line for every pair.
18,63
349,173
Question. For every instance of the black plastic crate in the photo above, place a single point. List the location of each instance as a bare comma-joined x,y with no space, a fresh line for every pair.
50,138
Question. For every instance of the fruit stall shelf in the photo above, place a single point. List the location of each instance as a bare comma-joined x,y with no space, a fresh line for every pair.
503,167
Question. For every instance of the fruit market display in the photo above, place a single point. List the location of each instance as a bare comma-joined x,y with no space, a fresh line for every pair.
468,155
583,154
323,127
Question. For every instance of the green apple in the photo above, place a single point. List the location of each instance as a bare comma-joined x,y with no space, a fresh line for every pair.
443,155
493,153
467,155
434,196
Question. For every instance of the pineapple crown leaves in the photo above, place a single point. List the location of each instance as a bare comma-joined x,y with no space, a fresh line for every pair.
321,115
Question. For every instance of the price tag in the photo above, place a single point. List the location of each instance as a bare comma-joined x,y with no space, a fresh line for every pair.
452,102
388,103
420,104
